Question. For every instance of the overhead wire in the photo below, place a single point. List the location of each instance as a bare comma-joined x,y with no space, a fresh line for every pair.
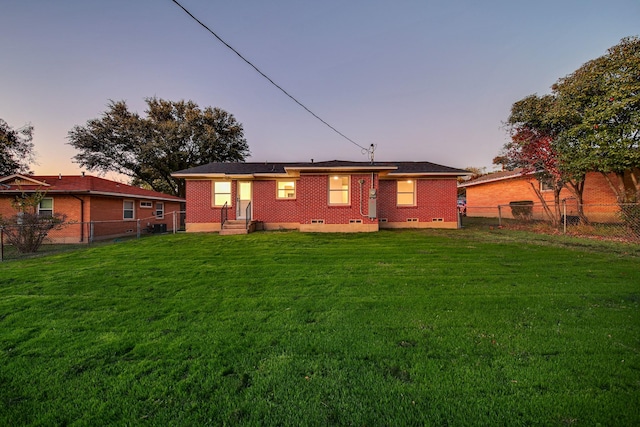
202,24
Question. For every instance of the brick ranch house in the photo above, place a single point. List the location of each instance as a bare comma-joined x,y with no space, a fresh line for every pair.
332,196
485,193
97,208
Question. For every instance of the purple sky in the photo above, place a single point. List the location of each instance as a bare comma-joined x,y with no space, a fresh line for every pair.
424,80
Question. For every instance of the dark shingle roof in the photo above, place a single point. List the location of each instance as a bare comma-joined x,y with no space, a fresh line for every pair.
268,167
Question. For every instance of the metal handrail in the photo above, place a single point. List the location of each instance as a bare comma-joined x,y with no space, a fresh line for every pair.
248,216
224,215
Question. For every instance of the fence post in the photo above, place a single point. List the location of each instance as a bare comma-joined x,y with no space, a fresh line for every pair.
564,213
499,216
138,228
174,222
1,244
91,231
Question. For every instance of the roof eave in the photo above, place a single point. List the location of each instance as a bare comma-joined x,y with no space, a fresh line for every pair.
97,193
427,174
325,169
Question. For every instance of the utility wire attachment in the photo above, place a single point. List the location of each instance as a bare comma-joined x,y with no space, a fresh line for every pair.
370,152
364,150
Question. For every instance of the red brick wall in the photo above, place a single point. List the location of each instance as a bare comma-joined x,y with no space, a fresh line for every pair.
313,196
435,198
98,209
199,195
268,208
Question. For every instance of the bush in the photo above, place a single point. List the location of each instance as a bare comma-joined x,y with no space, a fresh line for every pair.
630,214
27,231
522,210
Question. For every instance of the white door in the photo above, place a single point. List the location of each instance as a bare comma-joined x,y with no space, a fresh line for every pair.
244,198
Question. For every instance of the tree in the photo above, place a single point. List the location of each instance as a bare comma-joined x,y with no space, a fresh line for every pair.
531,148
28,229
600,103
171,137
16,149
589,123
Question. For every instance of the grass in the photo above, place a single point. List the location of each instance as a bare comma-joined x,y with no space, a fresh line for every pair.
460,327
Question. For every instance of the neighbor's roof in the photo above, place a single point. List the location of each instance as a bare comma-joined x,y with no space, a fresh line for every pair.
268,168
492,177
79,185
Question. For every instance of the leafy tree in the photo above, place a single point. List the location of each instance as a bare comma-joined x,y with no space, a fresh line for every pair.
171,137
600,105
28,229
16,149
589,123
532,147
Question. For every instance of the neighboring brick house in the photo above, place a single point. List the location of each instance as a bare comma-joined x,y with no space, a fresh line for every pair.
484,194
333,196
98,208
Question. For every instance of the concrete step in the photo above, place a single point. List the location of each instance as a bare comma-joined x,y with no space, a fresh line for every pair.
233,231
237,226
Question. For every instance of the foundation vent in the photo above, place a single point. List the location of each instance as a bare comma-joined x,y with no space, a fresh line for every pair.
317,221
382,220
355,221
412,219
437,219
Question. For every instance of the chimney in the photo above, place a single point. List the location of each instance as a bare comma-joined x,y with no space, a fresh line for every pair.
83,174
59,176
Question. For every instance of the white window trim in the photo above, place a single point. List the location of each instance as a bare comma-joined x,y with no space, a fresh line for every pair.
547,183
348,190
133,209
230,193
284,190
161,216
413,192
46,210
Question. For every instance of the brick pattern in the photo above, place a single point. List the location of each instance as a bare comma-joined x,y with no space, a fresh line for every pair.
483,199
436,198
596,191
200,209
266,204
314,200
98,208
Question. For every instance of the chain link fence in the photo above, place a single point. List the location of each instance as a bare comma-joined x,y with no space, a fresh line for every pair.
71,235
607,221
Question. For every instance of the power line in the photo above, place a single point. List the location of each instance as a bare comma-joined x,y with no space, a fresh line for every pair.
364,150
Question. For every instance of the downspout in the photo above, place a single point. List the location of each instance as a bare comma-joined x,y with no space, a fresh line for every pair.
81,217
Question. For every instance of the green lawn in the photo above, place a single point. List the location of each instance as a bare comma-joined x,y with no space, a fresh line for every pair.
459,327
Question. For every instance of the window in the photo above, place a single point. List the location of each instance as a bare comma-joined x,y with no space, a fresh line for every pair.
127,209
45,208
406,193
339,190
159,210
286,190
546,185
147,205
221,193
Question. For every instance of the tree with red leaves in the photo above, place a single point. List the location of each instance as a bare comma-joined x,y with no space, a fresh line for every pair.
532,148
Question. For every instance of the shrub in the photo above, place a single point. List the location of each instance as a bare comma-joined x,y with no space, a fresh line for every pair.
522,210
630,214
27,229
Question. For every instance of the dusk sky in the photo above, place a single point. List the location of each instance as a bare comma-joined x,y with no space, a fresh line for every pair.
423,80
